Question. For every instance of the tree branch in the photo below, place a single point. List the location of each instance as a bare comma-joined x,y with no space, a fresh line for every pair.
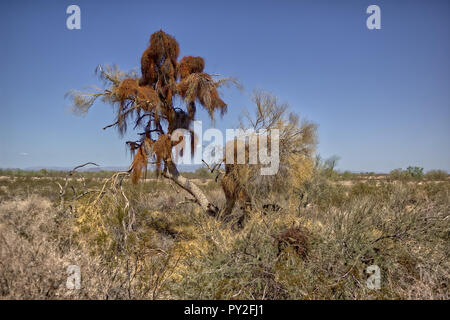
200,198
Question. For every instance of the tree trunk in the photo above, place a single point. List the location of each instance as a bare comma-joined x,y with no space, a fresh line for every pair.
173,174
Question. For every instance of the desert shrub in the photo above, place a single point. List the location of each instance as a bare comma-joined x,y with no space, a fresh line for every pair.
379,191
36,247
297,142
234,265
362,189
29,256
436,175
437,192
415,172
161,246
347,175
328,166
398,174
321,193
365,232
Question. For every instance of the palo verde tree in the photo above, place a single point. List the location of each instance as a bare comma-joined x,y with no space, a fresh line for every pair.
147,103
297,139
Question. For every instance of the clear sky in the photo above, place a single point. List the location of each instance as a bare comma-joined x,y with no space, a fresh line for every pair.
380,97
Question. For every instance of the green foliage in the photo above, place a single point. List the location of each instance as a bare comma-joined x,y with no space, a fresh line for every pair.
415,172
411,173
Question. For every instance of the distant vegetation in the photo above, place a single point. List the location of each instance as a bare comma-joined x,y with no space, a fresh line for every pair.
411,173
416,173
201,173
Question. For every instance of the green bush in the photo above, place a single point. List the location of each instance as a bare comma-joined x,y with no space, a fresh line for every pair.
411,173
415,172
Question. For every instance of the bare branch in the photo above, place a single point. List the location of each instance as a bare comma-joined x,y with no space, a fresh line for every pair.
81,166
111,125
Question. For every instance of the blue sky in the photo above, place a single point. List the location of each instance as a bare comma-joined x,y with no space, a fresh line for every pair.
380,97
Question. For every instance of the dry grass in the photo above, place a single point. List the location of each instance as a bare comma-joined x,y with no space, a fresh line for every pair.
316,244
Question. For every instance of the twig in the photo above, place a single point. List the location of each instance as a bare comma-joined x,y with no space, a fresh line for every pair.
62,189
214,167
111,125
80,166
186,200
